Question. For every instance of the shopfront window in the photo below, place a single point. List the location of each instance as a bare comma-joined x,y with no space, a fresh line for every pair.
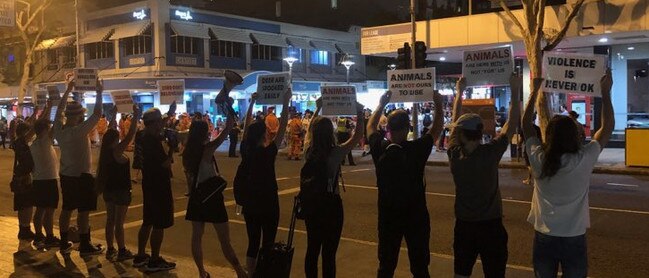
185,45
319,57
630,66
100,50
266,52
139,44
226,49
296,53
69,55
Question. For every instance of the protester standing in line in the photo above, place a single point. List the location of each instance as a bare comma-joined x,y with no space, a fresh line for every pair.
343,130
562,167
258,153
272,123
479,227
115,174
233,137
102,127
156,191
12,130
3,132
402,194
199,163
295,131
322,206
46,187
77,182
22,180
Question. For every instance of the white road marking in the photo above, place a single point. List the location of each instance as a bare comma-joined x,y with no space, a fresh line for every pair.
510,200
622,184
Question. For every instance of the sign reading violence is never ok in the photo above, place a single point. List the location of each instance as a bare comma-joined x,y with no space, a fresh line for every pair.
573,73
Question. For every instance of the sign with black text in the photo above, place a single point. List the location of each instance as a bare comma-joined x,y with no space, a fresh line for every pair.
272,87
338,100
85,80
123,100
492,66
416,85
8,13
171,90
53,93
573,73
41,98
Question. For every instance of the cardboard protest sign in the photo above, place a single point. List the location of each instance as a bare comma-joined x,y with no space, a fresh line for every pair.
272,87
41,98
123,100
338,100
492,66
415,85
486,109
573,73
171,90
54,94
85,79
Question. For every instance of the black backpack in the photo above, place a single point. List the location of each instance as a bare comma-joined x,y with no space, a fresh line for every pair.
394,181
316,189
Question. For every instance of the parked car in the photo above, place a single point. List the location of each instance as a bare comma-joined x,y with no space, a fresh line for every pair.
638,122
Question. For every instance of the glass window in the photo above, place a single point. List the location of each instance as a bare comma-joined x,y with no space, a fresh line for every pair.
266,52
52,57
100,50
319,57
185,45
297,53
69,56
137,45
226,49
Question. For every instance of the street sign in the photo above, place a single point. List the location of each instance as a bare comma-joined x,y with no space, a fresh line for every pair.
492,66
7,13
171,90
416,85
123,100
272,87
573,73
338,100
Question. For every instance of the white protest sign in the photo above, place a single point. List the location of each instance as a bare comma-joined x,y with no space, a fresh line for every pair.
338,100
41,98
272,87
171,90
573,73
7,13
54,94
492,66
85,80
123,100
415,85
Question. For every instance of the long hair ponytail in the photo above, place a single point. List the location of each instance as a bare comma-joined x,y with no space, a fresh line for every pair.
561,137
193,152
322,138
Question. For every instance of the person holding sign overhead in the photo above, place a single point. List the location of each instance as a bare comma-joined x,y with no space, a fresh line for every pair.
258,153
402,191
561,168
478,207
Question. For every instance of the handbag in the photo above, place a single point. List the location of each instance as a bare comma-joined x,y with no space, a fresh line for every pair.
204,191
20,184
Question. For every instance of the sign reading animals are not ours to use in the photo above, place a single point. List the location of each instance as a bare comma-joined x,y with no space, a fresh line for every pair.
573,73
338,100
491,66
171,90
85,80
416,85
272,87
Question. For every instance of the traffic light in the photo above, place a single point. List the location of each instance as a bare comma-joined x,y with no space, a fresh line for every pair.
403,57
420,55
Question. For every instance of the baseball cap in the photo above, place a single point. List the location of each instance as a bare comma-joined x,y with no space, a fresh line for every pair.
469,121
74,108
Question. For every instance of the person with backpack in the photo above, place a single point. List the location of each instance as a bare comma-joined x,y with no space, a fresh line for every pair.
402,190
114,174
479,227
258,196
206,204
562,168
321,205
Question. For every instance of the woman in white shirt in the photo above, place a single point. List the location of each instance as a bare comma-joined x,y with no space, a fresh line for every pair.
561,168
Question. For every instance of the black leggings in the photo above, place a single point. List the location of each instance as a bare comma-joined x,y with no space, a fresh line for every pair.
323,234
258,224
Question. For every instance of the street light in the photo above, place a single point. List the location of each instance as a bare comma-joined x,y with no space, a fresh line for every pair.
290,60
348,63
392,66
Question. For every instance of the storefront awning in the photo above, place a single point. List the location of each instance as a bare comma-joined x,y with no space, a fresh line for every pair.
347,48
300,43
324,46
97,35
130,29
186,29
232,35
56,43
270,39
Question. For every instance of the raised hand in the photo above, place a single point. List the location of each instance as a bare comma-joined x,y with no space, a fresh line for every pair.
385,98
360,109
318,102
137,112
461,84
254,96
515,82
100,85
606,82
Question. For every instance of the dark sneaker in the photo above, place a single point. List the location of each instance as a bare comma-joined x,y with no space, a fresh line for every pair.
51,241
65,247
39,241
123,255
159,264
111,253
89,249
26,235
141,260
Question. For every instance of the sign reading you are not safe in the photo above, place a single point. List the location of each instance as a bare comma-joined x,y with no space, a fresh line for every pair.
417,85
573,73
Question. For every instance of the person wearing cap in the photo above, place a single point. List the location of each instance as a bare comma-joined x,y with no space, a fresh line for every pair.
575,116
156,191
478,206
77,182
402,191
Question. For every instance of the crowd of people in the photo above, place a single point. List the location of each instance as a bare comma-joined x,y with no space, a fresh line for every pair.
560,166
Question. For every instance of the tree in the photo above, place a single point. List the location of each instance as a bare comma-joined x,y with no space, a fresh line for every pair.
533,36
27,20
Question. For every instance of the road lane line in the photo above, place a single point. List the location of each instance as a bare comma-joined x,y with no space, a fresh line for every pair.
622,184
510,200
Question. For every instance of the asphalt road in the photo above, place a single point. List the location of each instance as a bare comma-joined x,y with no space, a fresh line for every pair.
618,241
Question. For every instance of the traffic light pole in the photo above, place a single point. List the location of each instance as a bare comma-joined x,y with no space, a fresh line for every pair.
413,39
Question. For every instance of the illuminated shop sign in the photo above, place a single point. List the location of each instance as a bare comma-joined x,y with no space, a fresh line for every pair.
141,14
185,15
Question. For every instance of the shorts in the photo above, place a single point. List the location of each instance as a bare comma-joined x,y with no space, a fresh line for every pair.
158,205
23,201
212,211
120,197
79,193
46,193
488,239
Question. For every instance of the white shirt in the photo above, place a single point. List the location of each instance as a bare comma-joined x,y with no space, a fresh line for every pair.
560,203
44,155
75,146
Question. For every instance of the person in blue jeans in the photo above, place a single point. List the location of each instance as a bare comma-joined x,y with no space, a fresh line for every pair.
561,169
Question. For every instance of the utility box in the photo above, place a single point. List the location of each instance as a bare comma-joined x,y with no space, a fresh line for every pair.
637,147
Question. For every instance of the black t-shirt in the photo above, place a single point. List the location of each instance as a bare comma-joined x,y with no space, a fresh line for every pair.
25,162
476,180
261,164
405,177
153,156
118,175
